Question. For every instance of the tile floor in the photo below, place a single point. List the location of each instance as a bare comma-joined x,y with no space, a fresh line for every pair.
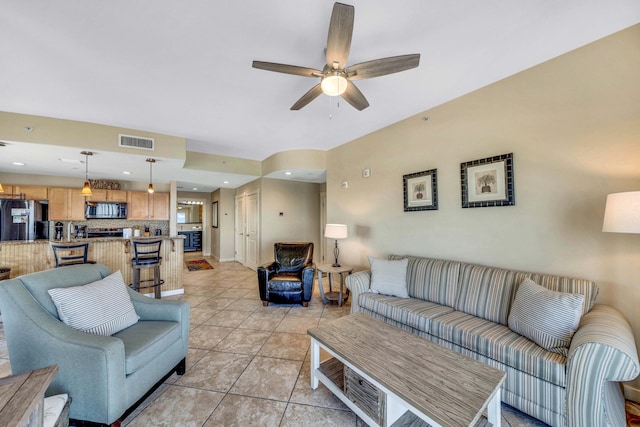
247,364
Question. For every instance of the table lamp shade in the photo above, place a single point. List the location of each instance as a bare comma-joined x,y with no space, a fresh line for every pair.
335,231
622,213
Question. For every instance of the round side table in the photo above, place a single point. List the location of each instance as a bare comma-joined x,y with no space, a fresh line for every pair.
330,270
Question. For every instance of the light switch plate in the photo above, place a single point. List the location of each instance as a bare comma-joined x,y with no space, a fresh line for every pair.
366,173
345,184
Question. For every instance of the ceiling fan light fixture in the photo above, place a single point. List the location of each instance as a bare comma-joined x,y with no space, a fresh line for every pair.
334,83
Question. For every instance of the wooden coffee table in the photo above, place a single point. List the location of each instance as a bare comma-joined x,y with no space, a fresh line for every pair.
413,376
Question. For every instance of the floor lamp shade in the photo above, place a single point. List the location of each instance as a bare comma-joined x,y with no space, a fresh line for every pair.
335,231
622,213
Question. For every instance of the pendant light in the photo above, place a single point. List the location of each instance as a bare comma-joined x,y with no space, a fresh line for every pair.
86,189
150,188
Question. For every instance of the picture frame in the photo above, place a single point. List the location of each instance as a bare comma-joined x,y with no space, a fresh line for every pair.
488,182
420,191
214,214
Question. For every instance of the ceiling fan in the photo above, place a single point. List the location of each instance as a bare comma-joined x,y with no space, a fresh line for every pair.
335,78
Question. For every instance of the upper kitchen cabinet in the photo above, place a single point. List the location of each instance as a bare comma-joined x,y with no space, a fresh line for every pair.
143,205
108,196
31,192
66,204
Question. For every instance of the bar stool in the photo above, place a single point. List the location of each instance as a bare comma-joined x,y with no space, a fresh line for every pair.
71,254
147,255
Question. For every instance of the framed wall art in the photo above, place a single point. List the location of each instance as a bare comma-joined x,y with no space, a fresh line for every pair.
488,182
214,214
420,191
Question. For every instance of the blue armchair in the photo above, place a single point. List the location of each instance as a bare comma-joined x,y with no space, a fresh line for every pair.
106,376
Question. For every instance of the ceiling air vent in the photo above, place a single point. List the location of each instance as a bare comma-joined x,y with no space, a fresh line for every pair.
136,142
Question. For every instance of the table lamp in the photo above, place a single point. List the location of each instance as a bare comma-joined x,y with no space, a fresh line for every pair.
622,213
335,231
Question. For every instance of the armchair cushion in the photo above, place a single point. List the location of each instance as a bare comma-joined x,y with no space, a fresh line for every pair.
145,340
102,307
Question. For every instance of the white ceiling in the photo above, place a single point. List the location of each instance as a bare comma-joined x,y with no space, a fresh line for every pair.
184,68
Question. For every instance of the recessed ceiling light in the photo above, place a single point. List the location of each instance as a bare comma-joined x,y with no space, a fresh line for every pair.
126,172
287,173
195,188
225,182
18,163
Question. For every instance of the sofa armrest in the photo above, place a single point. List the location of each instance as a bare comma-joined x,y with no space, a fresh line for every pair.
602,353
358,283
308,276
168,310
36,339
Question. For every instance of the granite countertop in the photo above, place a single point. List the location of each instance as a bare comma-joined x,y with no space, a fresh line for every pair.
88,240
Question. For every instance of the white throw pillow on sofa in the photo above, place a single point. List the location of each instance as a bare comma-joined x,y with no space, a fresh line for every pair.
101,308
389,277
546,317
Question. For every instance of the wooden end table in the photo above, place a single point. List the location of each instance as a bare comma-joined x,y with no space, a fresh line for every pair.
331,270
22,397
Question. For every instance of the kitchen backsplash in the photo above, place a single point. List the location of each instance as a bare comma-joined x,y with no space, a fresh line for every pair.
115,223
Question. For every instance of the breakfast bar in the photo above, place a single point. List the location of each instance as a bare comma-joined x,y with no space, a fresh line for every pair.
114,252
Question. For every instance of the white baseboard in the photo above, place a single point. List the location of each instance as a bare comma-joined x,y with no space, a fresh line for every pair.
631,393
226,259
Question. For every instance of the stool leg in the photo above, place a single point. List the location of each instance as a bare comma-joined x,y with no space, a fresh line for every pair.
156,282
136,278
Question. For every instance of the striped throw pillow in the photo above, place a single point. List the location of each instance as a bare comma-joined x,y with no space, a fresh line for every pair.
546,317
101,308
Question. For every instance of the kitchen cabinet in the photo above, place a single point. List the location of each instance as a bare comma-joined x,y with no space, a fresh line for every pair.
66,204
108,196
32,192
8,191
192,240
143,205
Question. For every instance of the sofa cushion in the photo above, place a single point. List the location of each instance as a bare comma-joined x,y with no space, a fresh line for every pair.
486,292
102,307
547,317
432,280
569,285
145,341
285,282
389,277
409,311
501,344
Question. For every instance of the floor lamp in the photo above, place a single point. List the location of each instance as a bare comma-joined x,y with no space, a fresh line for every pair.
622,213
335,231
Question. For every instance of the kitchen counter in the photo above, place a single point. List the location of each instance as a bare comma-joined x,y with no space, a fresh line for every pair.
24,257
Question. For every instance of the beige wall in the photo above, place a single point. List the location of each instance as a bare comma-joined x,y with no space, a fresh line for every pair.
299,203
222,238
573,125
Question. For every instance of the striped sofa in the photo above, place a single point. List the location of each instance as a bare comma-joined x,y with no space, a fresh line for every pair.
465,307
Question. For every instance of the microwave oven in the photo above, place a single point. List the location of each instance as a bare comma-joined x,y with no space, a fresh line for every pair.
105,210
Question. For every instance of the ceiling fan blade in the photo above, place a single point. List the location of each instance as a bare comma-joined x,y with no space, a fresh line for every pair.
287,69
313,93
384,66
340,32
354,97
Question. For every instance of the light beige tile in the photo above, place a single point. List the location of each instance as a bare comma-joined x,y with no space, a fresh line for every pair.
297,324
179,406
311,416
228,318
245,341
241,411
201,314
286,346
322,396
217,303
207,337
245,304
215,371
268,378
5,368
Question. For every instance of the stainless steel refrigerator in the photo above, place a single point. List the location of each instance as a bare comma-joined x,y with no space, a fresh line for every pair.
22,220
